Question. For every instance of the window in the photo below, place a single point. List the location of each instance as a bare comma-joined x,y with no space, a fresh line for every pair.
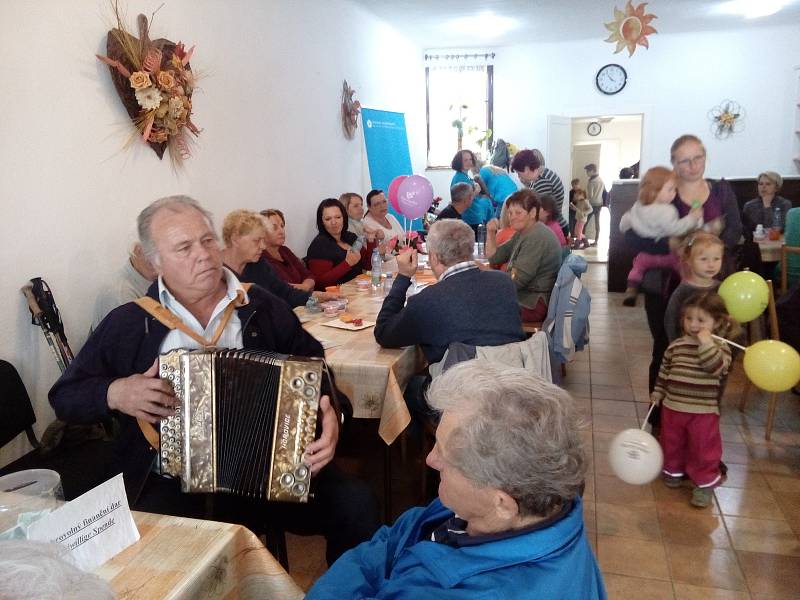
458,103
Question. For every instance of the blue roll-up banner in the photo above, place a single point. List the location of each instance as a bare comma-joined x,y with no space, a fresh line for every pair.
387,151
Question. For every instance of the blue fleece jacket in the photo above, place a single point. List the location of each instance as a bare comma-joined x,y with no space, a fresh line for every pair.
555,563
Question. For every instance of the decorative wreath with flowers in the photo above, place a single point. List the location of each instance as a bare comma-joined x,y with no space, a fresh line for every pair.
155,83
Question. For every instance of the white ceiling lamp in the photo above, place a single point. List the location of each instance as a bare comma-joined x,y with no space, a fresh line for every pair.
485,25
751,9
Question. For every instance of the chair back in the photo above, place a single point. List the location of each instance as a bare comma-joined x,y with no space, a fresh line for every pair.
16,411
790,259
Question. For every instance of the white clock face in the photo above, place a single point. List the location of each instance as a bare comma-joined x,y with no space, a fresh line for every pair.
594,128
611,79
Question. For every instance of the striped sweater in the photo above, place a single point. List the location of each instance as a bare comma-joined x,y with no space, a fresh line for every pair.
689,380
548,183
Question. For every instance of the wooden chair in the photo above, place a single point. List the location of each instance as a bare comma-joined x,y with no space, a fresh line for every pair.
774,332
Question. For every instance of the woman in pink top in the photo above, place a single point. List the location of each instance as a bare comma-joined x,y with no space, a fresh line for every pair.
549,216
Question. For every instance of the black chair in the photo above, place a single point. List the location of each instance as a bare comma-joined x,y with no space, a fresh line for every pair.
80,463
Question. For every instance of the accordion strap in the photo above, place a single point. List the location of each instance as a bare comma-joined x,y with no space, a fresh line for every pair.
170,320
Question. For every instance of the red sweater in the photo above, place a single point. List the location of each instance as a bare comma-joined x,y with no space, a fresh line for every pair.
289,268
326,261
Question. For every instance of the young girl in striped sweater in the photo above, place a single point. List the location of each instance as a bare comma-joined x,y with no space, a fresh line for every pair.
688,388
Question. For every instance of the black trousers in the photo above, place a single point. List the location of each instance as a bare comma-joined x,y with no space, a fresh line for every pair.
596,216
343,509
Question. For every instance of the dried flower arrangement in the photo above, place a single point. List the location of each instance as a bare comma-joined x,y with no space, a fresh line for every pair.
155,83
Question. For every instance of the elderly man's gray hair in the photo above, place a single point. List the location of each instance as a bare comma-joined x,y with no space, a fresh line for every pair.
451,240
461,191
174,203
519,433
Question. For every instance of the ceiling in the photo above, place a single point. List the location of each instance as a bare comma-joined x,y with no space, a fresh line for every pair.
432,23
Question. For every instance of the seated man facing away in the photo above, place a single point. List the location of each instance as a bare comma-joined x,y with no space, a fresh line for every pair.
467,305
115,373
461,196
508,522
127,284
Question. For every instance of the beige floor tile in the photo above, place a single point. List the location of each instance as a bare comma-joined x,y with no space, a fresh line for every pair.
628,521
623,587
771,576
744,476
748,502
783,483
731,433
693,592
790,506
735,453
614,408
701,529
707,567
590,516
612,392
609,377
627,556
611,424
610,490
306,558
762,535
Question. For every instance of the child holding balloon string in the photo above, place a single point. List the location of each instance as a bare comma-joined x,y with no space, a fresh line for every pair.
688,390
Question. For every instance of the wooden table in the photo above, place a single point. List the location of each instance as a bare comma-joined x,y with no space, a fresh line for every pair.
189,558
372,377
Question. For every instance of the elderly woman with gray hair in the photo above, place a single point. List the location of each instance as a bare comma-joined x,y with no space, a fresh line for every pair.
508,522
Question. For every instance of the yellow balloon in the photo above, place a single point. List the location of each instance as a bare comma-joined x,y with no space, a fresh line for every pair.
773,366
746,295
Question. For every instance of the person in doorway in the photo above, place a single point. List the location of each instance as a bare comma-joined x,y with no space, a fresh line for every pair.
595,191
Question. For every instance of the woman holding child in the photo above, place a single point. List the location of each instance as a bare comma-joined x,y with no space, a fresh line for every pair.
720,212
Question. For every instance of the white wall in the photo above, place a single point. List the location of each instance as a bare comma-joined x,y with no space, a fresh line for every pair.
674,84
268,104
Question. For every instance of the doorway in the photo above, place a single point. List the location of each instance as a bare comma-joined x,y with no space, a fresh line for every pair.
612,143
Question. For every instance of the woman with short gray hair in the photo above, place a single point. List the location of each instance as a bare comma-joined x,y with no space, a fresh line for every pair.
517,433
764,209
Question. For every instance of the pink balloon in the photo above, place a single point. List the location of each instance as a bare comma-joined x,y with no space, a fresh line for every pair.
393,187
415,196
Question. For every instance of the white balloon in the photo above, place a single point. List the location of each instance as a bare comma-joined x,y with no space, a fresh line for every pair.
635,456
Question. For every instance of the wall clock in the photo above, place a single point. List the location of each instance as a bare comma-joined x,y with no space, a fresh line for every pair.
594,128
610,79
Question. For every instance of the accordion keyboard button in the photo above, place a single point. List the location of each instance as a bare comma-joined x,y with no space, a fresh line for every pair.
301,472
309,392
287,480
297,383
311,377
299,489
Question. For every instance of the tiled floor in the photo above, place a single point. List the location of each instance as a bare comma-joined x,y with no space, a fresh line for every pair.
650,543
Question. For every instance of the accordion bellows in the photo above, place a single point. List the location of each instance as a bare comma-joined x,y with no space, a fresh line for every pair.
242,422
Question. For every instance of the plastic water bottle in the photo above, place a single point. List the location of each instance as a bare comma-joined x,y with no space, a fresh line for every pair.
777,219
376,268
481,239
387,284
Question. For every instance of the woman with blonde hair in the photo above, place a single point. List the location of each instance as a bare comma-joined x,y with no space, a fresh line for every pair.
244,233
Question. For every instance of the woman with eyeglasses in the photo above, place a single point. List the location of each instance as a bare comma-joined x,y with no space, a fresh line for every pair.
720,213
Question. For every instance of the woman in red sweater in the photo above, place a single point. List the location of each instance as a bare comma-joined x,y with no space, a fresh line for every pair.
282,260
331,257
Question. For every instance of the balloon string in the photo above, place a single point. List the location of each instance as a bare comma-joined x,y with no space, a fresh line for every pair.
734,344
647,418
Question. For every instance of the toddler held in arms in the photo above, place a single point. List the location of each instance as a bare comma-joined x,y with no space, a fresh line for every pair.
654,216
688,388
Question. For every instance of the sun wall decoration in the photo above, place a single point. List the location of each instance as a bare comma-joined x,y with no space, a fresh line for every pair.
630,28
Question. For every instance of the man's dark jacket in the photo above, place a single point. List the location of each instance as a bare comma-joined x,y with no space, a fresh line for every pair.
127,342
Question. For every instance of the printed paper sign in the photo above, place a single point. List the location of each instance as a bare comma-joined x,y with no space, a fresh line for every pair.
95,526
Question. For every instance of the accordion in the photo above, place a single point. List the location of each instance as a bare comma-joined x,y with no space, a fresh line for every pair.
242,422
